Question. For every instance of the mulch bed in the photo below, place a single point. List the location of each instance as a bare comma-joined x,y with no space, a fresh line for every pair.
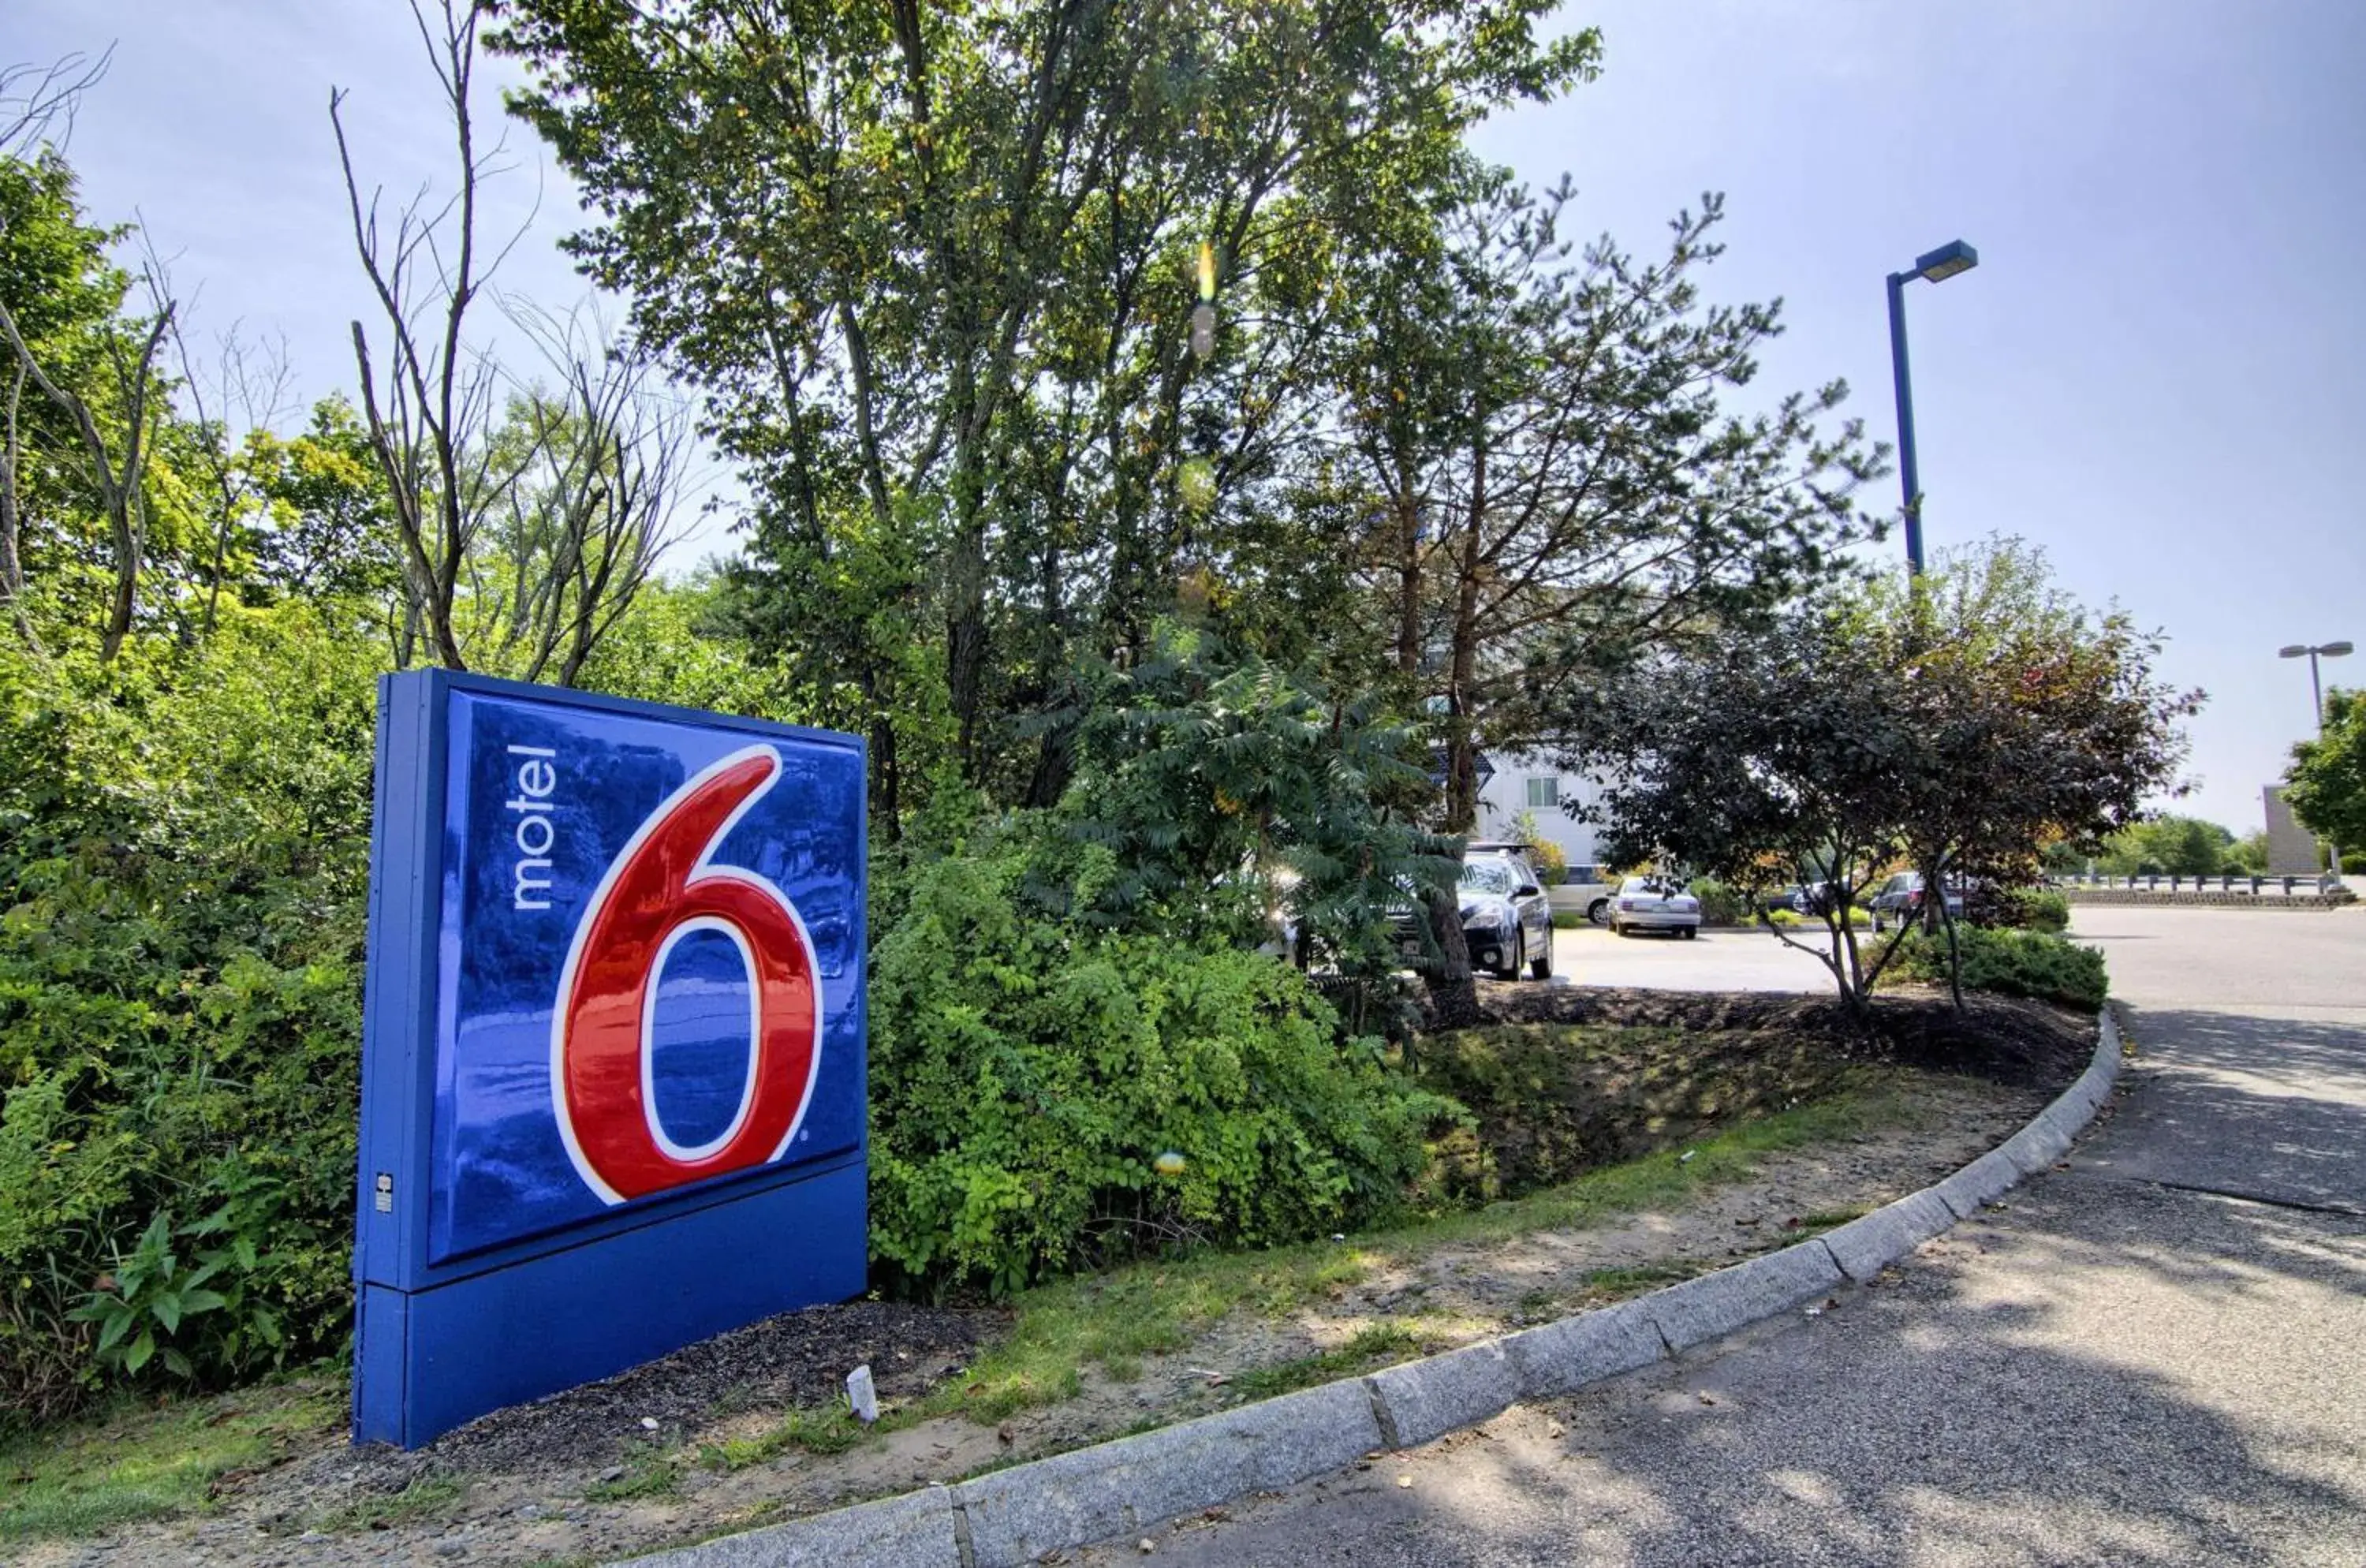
2006,1040
795,1359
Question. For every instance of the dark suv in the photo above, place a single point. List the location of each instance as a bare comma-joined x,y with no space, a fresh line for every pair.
1506,922
1900,902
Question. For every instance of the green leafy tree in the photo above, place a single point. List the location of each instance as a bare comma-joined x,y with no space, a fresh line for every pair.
936,267
2169,845
1546,431
1229,792
80,392
2036,720
2326,785
1775,750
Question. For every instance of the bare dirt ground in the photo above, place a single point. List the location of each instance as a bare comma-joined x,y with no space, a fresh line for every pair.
630,1465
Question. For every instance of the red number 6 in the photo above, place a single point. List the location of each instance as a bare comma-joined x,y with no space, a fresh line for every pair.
660,889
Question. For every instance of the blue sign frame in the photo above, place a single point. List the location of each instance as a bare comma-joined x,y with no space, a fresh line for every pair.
613,1048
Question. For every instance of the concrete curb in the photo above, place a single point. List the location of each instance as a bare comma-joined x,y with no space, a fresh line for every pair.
1126,1486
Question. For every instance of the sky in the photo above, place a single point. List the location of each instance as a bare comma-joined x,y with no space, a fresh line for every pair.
2157,373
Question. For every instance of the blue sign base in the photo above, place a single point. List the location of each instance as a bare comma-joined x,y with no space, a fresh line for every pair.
613,1049
434,1358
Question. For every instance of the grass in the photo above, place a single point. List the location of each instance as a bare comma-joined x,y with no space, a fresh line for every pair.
818,1429
139,1463
428,1495
1374,1345
650,1471
1113,1320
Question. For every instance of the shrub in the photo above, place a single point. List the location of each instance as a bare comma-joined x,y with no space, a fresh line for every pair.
1720,905
1046,1092
1550,860
2012,963
184,840
2021,908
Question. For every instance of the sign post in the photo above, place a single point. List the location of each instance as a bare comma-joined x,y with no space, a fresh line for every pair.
613,1048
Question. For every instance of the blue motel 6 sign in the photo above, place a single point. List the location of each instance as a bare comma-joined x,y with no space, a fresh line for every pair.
612,1054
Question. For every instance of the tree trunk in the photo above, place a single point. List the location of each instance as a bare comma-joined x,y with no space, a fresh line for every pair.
1462,748
1453,988
127,581
12,566
965,633
886,804
1408,572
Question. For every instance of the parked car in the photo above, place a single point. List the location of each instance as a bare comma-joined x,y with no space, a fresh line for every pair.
1583,891
1654,904
1506,919
1900,902
1507,922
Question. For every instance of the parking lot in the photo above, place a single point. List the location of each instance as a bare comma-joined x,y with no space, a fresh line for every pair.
1736,960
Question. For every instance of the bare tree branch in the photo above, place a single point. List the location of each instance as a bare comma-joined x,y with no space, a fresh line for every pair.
35,100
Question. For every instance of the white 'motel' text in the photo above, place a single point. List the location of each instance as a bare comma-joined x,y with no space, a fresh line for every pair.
537,779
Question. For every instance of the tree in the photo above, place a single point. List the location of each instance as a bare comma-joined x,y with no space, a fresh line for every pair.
110,411
37,100
2326,785
936,267
2169,845
1546,439
1228,790
1958,721
543,512
2037,720
1779,748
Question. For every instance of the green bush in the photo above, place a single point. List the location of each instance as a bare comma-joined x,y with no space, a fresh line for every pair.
184,843
2012,963
1720,905
1046,1092
2024,909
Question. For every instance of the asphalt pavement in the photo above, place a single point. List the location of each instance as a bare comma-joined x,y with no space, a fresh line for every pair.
2151,1355
1732,960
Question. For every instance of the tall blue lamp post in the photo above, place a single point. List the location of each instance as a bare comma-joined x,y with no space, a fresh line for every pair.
1938,267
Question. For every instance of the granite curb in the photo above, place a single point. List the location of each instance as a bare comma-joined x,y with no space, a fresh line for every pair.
1126,1486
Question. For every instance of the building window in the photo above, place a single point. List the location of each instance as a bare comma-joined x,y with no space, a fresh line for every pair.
1543,793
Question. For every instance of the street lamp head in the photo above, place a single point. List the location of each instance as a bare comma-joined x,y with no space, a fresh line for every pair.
1946,261
2336,649
2293,650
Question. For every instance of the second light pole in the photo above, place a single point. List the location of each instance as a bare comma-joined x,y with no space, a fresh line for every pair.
1938,267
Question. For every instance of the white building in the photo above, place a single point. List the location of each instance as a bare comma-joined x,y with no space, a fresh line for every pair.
1531,784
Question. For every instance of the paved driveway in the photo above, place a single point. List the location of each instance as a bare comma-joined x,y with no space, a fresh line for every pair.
2154,1355
1714,961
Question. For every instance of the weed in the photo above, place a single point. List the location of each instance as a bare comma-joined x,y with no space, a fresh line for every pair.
427,1495
1823,1220
817,1429
1374,1345
650,1471
1117,1319
1616,1284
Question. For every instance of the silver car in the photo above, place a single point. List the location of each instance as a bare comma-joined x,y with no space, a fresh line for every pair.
1648,904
